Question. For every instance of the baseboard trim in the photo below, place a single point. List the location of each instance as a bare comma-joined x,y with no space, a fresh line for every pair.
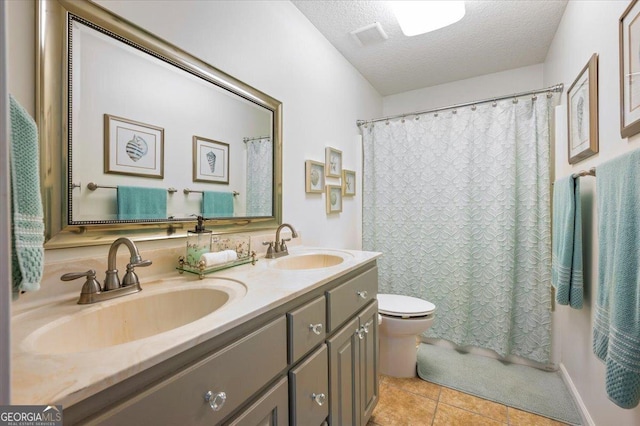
582,408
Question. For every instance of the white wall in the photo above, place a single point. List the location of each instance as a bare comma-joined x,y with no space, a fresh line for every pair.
589,27
472,89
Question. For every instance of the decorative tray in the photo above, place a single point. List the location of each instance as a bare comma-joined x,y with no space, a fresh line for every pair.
201,270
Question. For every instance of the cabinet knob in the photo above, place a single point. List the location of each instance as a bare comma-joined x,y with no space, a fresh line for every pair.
360,333
319,398
316,328
366,326
215,400
362,294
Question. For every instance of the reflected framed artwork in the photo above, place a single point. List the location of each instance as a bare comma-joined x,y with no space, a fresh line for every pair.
314,176
210,160
333,162
348,183
334,198
582,110
629,45
133,148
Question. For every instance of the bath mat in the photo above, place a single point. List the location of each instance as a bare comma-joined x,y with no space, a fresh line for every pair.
518,386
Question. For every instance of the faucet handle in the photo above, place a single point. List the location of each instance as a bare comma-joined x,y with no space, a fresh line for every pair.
91,285
269,254
283,245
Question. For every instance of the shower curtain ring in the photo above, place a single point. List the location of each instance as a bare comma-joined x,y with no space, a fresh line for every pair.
473,107
455,111
534,97
515,100
402,121
549,94
495,103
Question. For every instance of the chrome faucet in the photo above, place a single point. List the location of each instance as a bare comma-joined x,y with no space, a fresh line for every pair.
279,247
92,292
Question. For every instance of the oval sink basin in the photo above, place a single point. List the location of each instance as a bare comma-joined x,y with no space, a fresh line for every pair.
308,261
143,315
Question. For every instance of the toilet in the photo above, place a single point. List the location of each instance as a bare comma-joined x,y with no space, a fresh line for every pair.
403,318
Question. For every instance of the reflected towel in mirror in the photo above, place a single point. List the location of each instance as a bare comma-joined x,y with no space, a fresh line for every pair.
135,202
217,204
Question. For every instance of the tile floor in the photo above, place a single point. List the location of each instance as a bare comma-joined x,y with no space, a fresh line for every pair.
414,402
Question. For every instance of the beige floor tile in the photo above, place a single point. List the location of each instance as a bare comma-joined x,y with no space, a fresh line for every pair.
522,418
415,385
398,407
472,403
447,415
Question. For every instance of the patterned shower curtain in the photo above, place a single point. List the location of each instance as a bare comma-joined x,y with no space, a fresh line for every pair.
259,177
459,205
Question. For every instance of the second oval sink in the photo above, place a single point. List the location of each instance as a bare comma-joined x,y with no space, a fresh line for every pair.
308,261
138,317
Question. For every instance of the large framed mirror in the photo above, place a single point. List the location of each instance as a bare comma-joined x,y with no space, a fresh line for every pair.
138,137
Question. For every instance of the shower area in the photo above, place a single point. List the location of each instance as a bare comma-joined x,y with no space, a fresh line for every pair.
458,200
259,176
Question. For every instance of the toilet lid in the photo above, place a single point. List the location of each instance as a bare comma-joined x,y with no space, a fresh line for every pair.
404,306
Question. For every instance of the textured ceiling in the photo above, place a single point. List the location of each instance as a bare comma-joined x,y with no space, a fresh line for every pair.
493,36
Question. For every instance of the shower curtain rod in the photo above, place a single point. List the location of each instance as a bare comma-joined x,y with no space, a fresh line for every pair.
245,140
549,90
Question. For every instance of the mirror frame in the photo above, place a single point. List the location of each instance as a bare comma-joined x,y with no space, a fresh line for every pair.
52,116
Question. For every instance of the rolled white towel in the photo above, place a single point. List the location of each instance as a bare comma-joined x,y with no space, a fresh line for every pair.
231,255
218,258
213,259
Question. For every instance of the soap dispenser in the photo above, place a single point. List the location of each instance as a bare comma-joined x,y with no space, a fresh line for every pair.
198,243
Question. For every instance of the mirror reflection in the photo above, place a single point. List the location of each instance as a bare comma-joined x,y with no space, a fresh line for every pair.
150,141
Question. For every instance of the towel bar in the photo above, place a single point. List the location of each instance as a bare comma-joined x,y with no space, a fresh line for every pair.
188,191
93,186
590,172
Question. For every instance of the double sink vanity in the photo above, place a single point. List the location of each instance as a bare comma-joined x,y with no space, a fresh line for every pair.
285,341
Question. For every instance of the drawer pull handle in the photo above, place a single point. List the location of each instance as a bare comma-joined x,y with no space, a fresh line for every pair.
319,398
317,328
215,400
362,294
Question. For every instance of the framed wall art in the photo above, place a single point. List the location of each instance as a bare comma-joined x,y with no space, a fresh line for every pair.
348,183
333,162
210,160
314,176
582,110
629,32
133,148
334,198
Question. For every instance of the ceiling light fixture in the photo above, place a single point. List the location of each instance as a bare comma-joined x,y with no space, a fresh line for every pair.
419,17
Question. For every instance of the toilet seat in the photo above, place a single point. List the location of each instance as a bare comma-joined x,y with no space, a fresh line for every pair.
397,305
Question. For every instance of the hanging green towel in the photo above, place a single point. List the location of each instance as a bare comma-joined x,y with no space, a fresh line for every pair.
616,329
217,204
136,202
566,264
27,217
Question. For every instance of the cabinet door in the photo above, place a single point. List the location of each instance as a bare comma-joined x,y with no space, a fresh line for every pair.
272,409
309,389
368,361
344,375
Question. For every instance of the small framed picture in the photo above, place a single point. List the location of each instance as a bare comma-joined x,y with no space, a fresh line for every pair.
133,148
582,110
333,162
348,183
210,160
629,33
334,198
314,172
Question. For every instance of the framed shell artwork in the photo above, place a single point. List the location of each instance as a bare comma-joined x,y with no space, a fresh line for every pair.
334,198
314,176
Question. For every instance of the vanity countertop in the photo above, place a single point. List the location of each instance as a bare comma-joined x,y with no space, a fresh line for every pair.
67,378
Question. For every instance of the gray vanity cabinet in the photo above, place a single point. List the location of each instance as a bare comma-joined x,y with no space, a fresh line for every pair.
271,409
353,369
309,389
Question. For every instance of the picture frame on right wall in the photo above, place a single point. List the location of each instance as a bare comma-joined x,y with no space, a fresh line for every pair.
629,44
348,183
334,198
582,110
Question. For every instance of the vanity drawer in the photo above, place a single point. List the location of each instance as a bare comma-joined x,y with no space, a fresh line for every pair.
239,370
307,328
309,394
347,299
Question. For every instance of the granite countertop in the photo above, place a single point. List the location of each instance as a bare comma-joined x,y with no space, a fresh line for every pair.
39,377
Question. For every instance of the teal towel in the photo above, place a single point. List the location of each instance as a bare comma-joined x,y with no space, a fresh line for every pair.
616,330
135,202
217,204
566,263
27,217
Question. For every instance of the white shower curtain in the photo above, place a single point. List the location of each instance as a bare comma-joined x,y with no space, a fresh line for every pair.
259,177
459,205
